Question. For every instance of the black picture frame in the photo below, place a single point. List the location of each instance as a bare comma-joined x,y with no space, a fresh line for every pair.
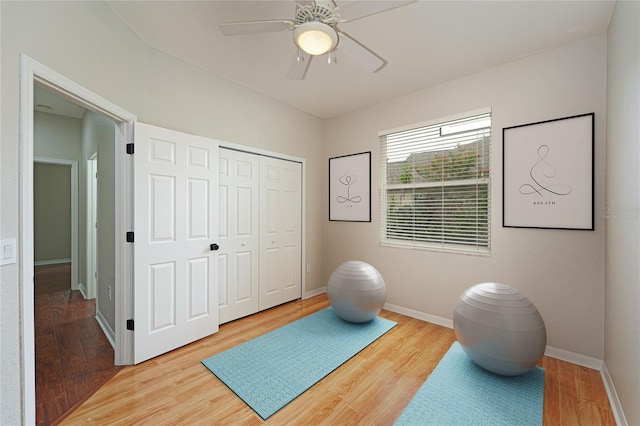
350,188
548,174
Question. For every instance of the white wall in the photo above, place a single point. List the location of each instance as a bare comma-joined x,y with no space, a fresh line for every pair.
622,296
561,271
85,42
51,213
99,134
56,137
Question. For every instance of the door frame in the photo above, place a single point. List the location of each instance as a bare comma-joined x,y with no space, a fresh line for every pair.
92,219
31,73
73,164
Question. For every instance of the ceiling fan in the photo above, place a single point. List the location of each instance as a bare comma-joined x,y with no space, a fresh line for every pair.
315,31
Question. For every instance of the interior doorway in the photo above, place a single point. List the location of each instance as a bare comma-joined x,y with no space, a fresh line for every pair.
56,214
35,74
74,352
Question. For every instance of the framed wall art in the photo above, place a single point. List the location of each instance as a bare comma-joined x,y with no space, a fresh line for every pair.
350,188
548,174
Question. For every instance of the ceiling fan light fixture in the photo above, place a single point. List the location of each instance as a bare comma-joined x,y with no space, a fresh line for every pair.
315,38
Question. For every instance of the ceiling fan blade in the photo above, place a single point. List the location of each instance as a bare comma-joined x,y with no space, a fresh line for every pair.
299,65
253,27
356,9
369,60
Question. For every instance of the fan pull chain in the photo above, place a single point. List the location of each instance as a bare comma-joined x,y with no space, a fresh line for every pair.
299,58
331,60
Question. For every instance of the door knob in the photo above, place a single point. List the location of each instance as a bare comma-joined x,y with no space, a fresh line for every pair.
214,247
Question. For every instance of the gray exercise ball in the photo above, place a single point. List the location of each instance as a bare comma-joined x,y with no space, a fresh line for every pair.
499,329
356,291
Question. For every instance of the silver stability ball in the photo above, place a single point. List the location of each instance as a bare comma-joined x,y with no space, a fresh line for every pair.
499,329
356,291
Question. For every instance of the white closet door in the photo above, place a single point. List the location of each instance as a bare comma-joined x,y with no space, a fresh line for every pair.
238,226
175,272
280,231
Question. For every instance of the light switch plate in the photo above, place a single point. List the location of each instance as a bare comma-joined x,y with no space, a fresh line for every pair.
8,251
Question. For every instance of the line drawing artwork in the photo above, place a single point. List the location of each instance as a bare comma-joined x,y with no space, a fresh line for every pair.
350,188
542,174
347,180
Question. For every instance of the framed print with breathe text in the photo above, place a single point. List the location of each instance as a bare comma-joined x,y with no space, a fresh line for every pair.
548,174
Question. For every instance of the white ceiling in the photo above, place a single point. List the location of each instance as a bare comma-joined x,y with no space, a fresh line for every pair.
424,44
46,101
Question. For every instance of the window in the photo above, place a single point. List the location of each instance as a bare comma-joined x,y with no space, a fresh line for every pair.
435,185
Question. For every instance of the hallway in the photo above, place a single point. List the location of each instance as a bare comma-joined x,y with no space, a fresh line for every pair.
73,356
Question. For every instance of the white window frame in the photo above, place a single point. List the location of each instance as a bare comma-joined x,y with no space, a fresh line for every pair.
384,187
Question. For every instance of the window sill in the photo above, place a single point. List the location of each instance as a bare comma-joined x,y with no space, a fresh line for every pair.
440,248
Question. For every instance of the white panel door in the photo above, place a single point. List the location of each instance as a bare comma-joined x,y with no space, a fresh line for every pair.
175,223
238,234
280,231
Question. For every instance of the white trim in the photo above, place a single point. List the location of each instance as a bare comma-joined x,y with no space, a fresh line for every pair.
74,213
316,291
124,262
52,262
436,121
614,401
252,150
108,331
83,290
28,397
433,319
33,72
303,228
574,358
91,169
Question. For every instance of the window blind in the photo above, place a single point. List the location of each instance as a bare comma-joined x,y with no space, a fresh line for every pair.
436,184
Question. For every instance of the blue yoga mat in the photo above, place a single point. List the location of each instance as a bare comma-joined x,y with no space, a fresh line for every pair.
458,392
270,371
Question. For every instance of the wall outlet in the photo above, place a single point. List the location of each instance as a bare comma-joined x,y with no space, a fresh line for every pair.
308,267
109,288
8,251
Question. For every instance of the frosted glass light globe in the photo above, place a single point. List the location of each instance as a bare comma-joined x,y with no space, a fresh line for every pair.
315,38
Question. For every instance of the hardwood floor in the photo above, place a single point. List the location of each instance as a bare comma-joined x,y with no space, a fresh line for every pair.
370,389
73,356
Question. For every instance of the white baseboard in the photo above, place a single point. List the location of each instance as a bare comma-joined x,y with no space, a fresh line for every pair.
574,358
614,401
108,331
51,262
83,290
433,319
314,292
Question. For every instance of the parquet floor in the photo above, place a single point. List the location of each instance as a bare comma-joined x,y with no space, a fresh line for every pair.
73,356
372,388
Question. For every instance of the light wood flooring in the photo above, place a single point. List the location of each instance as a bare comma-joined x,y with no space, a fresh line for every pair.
370,389
73,356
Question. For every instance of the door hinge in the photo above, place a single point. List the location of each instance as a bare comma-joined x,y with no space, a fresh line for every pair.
129,148
129,237
130,324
